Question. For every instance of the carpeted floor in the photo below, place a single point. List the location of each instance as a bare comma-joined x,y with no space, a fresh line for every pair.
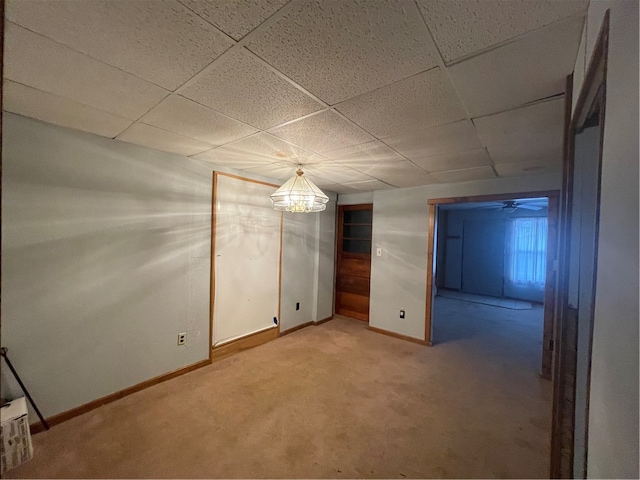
332,401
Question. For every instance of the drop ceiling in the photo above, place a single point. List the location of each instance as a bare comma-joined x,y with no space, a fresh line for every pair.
366,94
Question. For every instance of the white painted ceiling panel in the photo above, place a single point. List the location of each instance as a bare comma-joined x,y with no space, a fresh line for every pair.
278,171
23,100
243,87
426,142
401,115
340,49
186,117
322,132
365,155
335,173
466,175
532,133
234,17
153,137
427,100
402,174
461,27
525,168
454,161
158,40
499,80
38,62
259,150
368,185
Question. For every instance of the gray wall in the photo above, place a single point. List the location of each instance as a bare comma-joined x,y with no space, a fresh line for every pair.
106,258
613,410
400,222
450,261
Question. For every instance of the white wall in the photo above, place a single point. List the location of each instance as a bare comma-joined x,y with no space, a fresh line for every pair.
613,412
106,258
400,223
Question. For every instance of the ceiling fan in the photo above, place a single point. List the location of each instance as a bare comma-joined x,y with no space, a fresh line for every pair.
510,206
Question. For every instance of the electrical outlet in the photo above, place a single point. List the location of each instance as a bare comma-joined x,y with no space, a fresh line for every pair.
402,313
182,338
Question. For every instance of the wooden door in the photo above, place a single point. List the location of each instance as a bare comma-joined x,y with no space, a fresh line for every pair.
353,269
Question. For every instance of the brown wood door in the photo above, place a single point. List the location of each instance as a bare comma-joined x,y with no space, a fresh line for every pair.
353,269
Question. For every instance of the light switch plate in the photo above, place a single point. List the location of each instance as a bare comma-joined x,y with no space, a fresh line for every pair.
379,252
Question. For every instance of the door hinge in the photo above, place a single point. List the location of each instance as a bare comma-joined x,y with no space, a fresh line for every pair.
551,345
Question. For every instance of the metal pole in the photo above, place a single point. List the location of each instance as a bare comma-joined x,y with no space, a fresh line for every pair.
3,351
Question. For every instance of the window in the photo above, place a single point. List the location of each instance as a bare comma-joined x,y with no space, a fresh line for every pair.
527,252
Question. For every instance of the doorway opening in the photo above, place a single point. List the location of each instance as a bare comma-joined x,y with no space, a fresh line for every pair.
353,262
493,271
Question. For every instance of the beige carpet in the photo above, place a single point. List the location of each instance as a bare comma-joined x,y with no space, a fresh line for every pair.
333,401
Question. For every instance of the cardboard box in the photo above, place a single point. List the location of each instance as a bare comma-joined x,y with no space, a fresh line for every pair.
16,447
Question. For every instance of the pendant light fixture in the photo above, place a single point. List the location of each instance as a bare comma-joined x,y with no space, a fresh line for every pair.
299,195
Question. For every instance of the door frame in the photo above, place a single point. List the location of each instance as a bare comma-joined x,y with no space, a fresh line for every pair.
338,251
592,92
550,282
252,339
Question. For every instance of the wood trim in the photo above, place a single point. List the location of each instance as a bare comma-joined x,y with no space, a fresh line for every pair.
593,91
561,336
213,252
550,288
296,328
244,343
398,335
280,268
432,203
87,407
430,264
304,325
238,177
494,197
324,320
212,276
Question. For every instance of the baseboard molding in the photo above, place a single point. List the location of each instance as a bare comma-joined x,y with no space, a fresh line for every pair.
398,335
244,343
304,325
324,320
87,407
296,328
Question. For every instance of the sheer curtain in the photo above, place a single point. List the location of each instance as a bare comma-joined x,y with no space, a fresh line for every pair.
527,257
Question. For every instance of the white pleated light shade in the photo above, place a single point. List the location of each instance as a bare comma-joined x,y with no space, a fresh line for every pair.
299,195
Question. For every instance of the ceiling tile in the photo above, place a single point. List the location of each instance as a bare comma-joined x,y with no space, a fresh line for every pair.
402,174
368,185
153,137
532,133
365,156
423,100
461,27
259,150
160,41
322,132
338,50
243,87
181,115
33,60
51,108
277,171
526,70
527,168
234,17
465,175
335,173
426,142
454,161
